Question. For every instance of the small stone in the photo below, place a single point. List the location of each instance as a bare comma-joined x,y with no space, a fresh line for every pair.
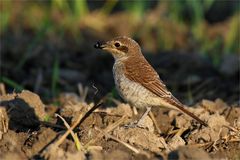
209,105
186,152
147,123
176,142
216,121
141,138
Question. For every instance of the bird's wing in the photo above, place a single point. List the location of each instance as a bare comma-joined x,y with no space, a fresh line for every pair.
140,71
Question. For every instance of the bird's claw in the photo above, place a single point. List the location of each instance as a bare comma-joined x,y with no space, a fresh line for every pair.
131,125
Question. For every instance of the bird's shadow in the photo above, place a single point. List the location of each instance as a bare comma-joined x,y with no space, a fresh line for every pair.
21,116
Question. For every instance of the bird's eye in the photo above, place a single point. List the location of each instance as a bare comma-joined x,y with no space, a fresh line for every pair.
117,44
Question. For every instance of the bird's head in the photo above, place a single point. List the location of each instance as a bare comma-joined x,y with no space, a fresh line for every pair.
120,47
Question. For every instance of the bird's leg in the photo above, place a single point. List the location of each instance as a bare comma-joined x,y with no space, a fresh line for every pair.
138,123
149,112
143,116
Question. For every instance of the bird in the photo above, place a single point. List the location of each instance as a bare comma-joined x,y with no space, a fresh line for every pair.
136,80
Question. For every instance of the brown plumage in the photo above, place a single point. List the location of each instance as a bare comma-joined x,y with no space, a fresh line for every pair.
137,82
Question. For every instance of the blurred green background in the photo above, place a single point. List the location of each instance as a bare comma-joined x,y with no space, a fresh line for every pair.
40,38
208,26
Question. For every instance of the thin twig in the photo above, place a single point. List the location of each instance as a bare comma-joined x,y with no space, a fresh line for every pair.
208,143
155,122
75,138
91,110
117,102
215,142
106,130
229,112
2,89
165,145
231,128
135,150
96,89
180,131
80,119
83,91
60,141
52,125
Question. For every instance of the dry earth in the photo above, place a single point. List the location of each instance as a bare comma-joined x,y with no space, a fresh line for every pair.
29,129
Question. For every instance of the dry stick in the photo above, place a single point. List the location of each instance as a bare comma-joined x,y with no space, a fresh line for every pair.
230,110
80,119
52,125
83,91
215,142
2,89
117,102
60,141
91,110
172,132
208,143
231,128
199,144
135,150
155,122
165,144
106,130
234,140
75,138
180,131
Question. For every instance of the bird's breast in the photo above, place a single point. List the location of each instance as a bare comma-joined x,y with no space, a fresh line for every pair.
132,92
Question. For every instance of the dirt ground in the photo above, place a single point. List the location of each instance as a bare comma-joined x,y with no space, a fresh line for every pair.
30,129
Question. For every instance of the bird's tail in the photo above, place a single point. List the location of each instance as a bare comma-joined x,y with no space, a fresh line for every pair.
192,115
173,101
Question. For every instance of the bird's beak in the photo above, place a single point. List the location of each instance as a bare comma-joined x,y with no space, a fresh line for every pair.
100,45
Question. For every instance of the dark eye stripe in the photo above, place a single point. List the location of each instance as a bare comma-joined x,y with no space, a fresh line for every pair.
123,49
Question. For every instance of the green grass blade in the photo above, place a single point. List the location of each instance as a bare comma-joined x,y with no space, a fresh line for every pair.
55,76
40,35
5,15
136,8
12,83
108,6
80,8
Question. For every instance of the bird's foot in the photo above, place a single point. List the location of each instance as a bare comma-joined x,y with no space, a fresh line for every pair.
135,124
131,125
141,123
